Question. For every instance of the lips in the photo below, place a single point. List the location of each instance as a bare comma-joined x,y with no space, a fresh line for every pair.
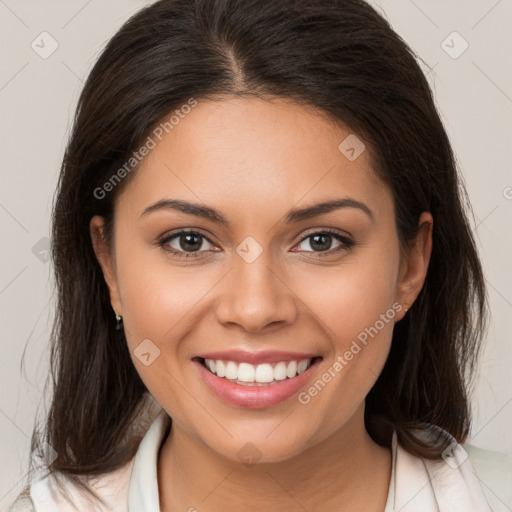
247,392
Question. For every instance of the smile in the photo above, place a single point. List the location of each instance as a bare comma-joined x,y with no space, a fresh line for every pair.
250,385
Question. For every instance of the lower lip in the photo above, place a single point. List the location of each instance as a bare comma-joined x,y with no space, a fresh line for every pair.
255,396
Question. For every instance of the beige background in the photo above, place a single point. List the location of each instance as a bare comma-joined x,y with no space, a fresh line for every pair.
473,91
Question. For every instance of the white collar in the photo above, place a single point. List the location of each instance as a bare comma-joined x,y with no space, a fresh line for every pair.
446,485
143,491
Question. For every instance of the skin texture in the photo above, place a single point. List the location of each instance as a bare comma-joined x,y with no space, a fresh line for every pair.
254,161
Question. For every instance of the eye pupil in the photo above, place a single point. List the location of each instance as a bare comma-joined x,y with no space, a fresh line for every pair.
323,244
190,239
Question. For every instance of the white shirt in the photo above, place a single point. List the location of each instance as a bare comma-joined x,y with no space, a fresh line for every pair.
416,484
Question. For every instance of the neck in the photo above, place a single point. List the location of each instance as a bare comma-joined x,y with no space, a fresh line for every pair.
333,474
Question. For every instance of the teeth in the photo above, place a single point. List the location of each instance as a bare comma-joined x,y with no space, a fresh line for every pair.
291,371
231,370
280,371
262,373
220,368
246,372
301,367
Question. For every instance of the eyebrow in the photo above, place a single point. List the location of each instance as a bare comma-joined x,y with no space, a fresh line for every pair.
297,215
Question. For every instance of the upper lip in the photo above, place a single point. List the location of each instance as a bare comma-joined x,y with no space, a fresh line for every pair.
264,356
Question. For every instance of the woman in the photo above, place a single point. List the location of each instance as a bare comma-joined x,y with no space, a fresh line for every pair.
265,270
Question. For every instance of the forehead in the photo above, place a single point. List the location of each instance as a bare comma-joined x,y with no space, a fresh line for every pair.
255,154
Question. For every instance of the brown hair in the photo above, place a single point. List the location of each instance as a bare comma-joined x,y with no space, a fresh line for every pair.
339,56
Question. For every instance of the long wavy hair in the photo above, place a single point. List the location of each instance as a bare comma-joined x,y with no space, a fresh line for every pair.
339,56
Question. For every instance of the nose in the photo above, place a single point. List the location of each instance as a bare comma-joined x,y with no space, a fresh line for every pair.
255,295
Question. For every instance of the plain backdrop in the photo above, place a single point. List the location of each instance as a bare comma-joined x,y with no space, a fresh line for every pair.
464,47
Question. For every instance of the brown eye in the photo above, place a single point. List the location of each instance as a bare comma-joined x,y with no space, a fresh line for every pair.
184,243
322,241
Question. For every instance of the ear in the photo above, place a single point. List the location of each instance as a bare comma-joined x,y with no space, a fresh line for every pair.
414,264
106,259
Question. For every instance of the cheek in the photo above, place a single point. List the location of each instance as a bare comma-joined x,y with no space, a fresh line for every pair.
156,291
160,306
159,302
352,297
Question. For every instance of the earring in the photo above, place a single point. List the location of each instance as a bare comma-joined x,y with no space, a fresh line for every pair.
406,309
119,319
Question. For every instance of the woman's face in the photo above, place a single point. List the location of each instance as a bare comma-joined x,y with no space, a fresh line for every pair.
267,281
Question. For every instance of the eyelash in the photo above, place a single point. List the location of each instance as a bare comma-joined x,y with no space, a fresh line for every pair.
347,244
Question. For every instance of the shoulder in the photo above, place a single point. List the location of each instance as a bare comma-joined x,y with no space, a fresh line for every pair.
482,472
44,495
494,470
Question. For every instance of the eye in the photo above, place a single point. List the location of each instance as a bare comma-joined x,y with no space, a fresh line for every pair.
321,241
191,244
184,243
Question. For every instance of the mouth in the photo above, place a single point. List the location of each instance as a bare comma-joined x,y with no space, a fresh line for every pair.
256,385
264,374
